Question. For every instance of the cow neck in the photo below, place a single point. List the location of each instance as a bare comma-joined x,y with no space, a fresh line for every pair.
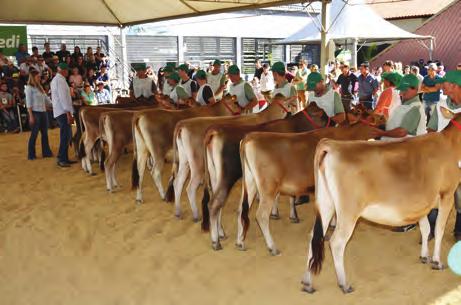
230,109
311,120
280,104
456,124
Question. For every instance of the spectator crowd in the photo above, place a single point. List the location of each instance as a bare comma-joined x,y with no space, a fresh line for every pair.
88,80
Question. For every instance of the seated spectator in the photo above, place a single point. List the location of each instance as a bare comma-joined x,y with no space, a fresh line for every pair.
48,54
80,64
88,97
7,109
76,78
54,64
37,103
35,51
102,94
77,53
75,94
63,53
21,54
103,76
68,60
98,52
26,65
91,63
88,54
42,66
19,103
91,77
441,71
406,70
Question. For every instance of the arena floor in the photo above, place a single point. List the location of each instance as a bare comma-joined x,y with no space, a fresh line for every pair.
65,240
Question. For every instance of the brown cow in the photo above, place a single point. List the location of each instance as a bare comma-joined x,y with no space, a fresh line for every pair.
416,175
153,134
222,161
188,136
268,172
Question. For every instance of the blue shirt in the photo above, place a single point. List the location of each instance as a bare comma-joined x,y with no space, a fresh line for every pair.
367,85
432,97
36,99
103,97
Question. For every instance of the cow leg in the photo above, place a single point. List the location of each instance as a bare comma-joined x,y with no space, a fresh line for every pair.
293,213
108,163
192,187
180,179
251,196
221,233
156,173
425,229
141,160
266,201
87,158
446,203
217,203
275,208
338,242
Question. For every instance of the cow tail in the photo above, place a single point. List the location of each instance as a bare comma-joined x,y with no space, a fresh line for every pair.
318,239
134,167
81,150
102,132
244,204
207,184
169,195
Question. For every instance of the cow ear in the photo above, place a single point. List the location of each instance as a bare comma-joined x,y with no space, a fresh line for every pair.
447,113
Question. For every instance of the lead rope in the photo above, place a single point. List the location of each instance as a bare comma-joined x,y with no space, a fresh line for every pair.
230,109
281,105
309,118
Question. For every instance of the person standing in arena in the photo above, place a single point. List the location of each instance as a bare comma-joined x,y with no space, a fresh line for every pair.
62,112
217,79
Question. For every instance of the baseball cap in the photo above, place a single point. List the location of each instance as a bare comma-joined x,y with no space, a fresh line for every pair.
313,79
453,76
174,76
278,67
408,81
139,66
392,77
168,69
217,62
432,66
365,64
63,66
233,70
184,67
200,74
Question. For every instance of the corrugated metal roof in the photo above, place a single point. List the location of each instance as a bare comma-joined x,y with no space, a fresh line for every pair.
397,9
445,27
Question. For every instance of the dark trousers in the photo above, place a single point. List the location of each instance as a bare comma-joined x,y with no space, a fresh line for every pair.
41,124
434,212
65,135
10,119
367,104
346,103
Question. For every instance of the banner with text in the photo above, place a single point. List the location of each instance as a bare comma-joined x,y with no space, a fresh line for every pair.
11,37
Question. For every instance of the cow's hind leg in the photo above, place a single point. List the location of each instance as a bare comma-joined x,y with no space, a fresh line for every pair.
445,206
266,202
141,160
425,229
180,179
192,187
215,207
275,208
341,235
293,213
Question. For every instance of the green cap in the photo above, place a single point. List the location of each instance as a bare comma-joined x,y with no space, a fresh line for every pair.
200,74
171,64
453,76
174,76
278,67
393,77
139,66
233,70
408,81
217,62
63,66
313,79
184,67
168,69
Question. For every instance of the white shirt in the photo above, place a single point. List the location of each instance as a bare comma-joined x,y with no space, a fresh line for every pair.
60,96
267,82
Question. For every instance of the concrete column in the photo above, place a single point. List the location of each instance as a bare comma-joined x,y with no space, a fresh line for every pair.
125,67
238,50
323,34
181,49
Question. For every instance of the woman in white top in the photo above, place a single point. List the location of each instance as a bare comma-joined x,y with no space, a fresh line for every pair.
37,102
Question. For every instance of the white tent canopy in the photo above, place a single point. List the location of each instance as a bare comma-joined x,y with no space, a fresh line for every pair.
119,12
351,22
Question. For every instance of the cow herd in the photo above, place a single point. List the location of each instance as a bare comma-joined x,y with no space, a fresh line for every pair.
279,153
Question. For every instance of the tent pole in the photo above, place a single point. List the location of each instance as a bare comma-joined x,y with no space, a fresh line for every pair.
324,39
124,58
431,48
354,53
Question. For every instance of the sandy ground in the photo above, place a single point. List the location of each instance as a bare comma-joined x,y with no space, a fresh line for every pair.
65,240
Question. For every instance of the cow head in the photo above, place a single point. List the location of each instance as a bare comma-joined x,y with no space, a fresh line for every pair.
282,102
231,103
318,114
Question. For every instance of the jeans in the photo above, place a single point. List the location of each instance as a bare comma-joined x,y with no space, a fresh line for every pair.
65,135
41,124
429,108
10,119
434,212
367,104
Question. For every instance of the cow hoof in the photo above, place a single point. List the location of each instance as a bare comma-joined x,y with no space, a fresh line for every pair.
196,219
425,259
294,220
347,289
275,216
308,288
216,246
274,252
240,246
139,201
178,216
223,237
437,266
92,174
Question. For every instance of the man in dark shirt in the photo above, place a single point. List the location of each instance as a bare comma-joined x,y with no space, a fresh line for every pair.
258,69
348,83
63,53
48,54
